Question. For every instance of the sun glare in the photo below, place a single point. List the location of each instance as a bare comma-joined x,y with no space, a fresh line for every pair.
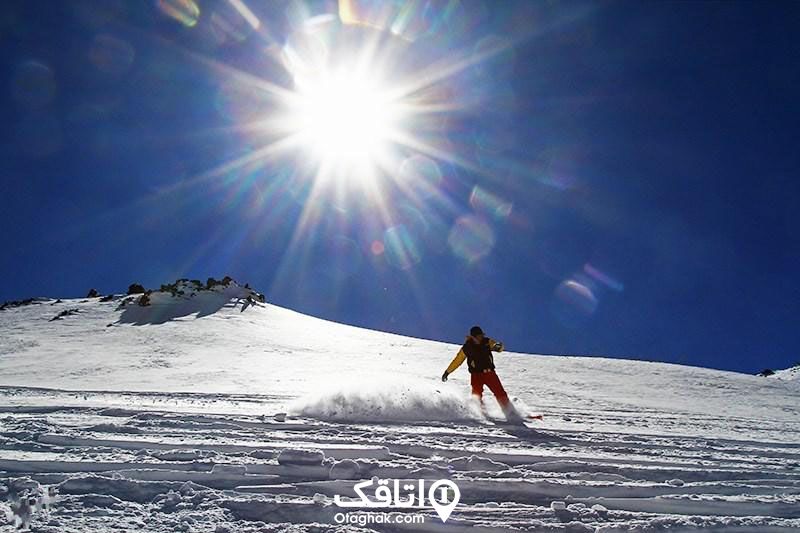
359,107
344,119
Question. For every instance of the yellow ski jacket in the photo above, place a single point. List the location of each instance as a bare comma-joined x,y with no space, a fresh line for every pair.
478,356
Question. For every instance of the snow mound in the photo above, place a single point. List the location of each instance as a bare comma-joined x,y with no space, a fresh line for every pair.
385,401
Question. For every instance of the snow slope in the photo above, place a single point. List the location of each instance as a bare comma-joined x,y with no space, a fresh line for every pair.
165,425
792,374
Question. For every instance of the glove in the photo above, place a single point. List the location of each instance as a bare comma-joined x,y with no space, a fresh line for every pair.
444,376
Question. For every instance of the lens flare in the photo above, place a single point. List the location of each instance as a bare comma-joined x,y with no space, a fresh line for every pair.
484,201
111,55
471,238
574,302
34,85
421,175
401,248
184,11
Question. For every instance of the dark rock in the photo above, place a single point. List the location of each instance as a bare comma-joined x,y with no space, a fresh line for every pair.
66,312
136,288
107,298
766,372
93,293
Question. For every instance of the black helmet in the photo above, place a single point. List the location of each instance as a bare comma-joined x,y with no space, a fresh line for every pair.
475,331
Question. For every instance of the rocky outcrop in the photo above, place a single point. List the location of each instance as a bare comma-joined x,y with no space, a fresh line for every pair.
66,312
19,303
136,288
185,297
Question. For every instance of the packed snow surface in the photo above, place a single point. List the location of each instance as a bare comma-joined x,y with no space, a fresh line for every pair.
222,414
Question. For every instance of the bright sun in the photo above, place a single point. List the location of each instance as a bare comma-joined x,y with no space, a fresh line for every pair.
345,119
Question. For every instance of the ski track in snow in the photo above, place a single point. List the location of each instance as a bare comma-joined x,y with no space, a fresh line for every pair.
186,440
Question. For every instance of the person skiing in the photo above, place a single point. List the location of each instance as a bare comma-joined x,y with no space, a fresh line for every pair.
477,351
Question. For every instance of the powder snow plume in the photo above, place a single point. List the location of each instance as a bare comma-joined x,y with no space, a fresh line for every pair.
387,401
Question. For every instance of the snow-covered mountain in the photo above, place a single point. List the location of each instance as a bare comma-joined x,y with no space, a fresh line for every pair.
167,416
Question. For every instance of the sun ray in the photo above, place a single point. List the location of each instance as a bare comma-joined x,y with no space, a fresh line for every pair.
445,68
246,13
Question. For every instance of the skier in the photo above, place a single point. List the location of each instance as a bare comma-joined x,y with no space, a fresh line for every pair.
477,351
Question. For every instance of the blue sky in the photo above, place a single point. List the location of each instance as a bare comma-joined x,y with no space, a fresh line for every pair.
615,178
